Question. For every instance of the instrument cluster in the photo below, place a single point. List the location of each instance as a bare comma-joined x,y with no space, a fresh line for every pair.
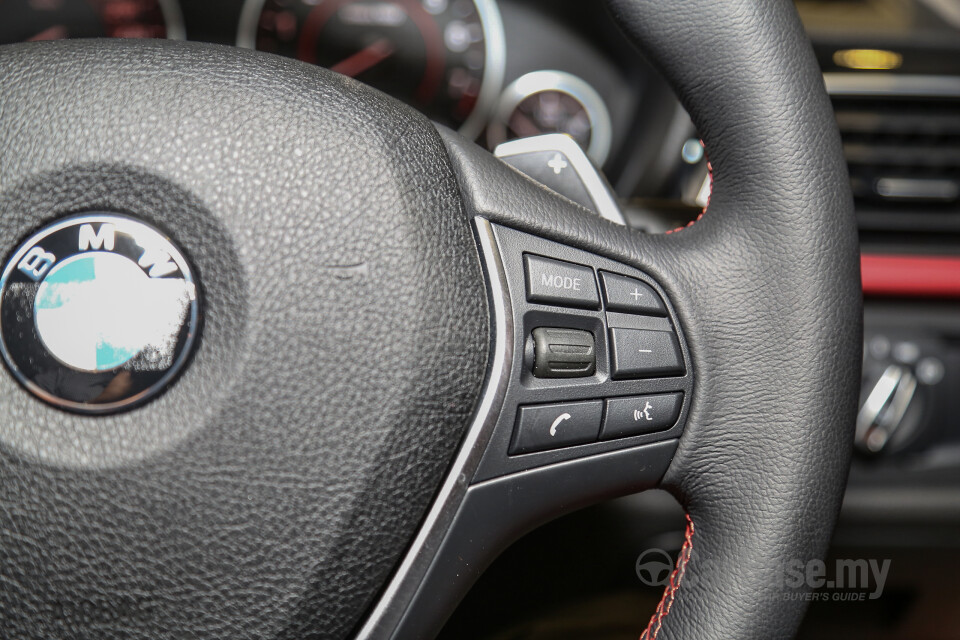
492,70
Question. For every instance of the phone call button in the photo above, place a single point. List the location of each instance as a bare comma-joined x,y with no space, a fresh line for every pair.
551,426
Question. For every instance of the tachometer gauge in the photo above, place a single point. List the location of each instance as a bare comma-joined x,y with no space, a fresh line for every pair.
25,20
553,102
444,57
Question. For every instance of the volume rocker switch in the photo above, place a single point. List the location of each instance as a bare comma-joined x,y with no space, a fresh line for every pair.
563,353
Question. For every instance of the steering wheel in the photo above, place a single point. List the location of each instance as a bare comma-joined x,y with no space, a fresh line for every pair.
358,428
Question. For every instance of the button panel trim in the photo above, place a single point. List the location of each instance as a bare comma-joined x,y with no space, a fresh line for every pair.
525,389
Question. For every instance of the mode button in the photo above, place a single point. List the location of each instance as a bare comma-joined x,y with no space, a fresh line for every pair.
560,283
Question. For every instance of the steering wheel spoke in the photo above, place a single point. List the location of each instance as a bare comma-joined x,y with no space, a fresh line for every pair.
603,421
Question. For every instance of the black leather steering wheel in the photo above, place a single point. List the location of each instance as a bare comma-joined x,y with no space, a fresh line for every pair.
338,459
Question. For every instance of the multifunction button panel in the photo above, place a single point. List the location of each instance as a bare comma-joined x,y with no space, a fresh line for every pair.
599,360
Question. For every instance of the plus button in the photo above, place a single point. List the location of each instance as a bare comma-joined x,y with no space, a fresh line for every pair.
558,164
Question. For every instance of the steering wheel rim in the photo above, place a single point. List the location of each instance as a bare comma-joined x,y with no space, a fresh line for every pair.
764,290
778,170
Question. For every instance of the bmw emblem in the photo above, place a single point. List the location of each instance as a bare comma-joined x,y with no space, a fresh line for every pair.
97,313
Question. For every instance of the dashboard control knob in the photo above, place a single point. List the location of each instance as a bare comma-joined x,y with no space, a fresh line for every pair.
883,411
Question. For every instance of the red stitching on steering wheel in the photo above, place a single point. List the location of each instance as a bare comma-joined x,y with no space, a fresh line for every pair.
676,577
693,222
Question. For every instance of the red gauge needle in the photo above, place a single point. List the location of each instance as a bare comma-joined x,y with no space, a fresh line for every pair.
56,32
365,58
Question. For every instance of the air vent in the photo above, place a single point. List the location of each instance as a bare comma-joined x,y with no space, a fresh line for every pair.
901,138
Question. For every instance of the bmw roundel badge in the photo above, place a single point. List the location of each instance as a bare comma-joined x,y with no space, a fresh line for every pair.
97,312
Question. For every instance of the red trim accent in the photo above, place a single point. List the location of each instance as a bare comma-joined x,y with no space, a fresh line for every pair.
315,21
673,584
364,59
916,276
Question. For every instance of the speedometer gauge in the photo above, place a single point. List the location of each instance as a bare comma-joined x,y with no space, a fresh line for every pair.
444,57
25,20
553,102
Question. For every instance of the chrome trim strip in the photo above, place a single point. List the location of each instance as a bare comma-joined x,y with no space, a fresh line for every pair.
878,400
948,10
891,84
494,68
918,188
396,597
247,27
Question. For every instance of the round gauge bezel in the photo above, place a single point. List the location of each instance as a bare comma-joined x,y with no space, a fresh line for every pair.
173,19
494,58
530,84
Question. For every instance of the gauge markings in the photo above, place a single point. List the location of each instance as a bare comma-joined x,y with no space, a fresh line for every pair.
431,54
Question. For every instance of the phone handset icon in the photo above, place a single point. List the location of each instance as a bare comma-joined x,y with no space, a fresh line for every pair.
556,423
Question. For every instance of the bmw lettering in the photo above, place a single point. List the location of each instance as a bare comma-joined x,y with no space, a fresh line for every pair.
97,312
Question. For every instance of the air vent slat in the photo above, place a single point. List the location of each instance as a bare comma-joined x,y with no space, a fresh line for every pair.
911,154
903,152
870,122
